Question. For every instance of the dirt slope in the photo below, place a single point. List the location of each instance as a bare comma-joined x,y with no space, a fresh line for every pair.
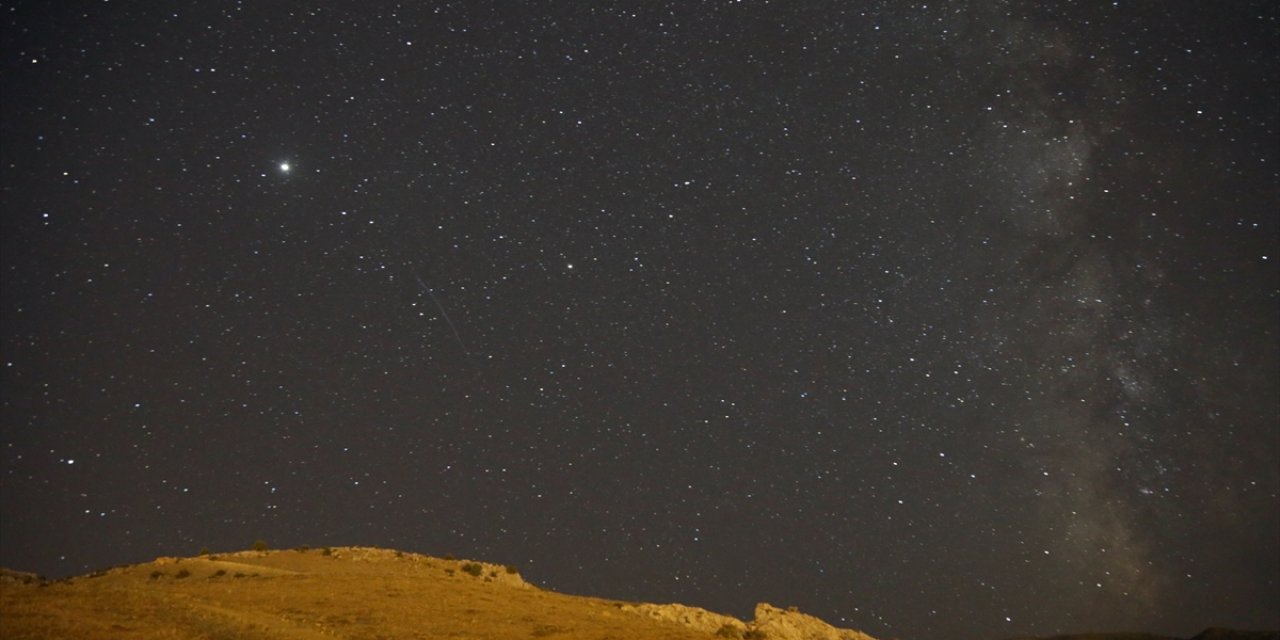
356,593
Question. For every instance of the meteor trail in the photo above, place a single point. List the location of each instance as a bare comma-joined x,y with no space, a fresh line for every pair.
457,336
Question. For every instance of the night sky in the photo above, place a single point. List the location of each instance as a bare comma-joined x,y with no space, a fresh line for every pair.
938,321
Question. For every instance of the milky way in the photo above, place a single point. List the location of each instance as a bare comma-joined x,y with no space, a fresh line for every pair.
937,321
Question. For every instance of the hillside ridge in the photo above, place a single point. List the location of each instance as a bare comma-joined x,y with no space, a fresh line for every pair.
1212,633
372,592
354,592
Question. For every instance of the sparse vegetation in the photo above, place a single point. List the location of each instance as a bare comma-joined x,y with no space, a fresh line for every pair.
729,631
449,556
156,575
204,551
303,548
260,545
473,568
219,573
754,634
545,630
326,552
21,577
182,574
511,569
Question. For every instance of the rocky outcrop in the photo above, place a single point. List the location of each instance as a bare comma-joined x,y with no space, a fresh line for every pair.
9,576
784,624
486,571
692,617
770,622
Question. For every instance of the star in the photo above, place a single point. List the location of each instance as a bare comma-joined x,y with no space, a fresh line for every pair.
708,259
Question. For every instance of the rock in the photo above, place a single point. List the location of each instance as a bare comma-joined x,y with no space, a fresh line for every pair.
781,624
9,576
692,617
772,622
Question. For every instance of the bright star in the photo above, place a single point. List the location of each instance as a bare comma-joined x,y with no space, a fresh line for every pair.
284,166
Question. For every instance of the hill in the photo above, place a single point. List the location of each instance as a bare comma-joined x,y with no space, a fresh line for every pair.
357,593
1207,634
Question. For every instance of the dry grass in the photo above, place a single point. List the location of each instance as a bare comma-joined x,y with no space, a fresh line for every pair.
361,594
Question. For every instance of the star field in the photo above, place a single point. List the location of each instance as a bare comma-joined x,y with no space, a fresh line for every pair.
951,320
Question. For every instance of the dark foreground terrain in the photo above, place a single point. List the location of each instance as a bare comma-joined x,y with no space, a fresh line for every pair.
364,593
